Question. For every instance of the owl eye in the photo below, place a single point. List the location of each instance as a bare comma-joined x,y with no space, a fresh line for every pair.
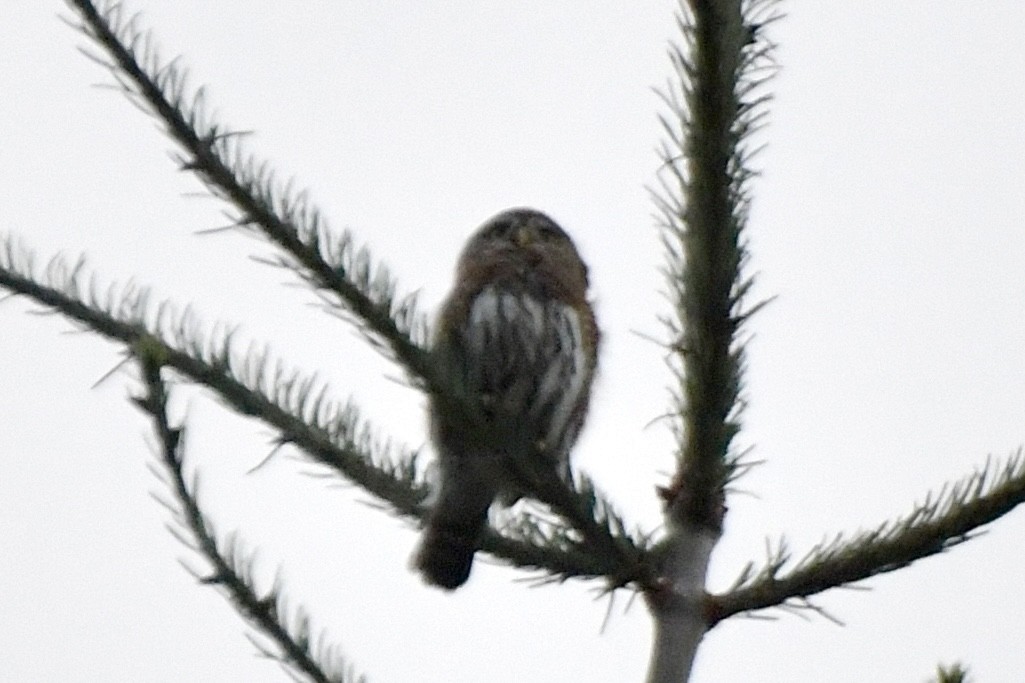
548,232
514,225
495,230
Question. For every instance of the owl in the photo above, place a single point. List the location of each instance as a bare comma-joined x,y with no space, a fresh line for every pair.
517,338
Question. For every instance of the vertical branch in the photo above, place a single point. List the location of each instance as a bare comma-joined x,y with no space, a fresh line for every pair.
706,281
703,204
678,607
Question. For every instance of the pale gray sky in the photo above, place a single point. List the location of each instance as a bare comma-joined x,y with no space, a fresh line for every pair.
887,221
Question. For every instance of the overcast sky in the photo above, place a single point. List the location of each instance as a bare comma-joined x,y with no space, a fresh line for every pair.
888,222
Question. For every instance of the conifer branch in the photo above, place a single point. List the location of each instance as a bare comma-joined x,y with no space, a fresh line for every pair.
345,275
955,673
537,539
624,557
950,517
300,409
231,572
714,105
330,263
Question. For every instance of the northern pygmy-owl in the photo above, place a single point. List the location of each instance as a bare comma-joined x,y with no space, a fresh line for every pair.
517,338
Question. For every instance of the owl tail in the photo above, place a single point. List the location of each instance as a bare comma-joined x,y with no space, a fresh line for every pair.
452,536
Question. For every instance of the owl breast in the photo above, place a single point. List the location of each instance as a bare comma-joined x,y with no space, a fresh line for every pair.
526,360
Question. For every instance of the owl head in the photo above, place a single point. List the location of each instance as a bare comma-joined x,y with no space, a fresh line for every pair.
526,246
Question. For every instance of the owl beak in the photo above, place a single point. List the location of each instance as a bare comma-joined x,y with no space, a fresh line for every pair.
524,236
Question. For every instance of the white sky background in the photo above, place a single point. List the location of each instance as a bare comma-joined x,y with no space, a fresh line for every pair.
888,222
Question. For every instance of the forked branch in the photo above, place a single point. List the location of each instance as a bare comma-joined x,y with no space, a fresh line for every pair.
300,410
230,572
721,60
331,263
